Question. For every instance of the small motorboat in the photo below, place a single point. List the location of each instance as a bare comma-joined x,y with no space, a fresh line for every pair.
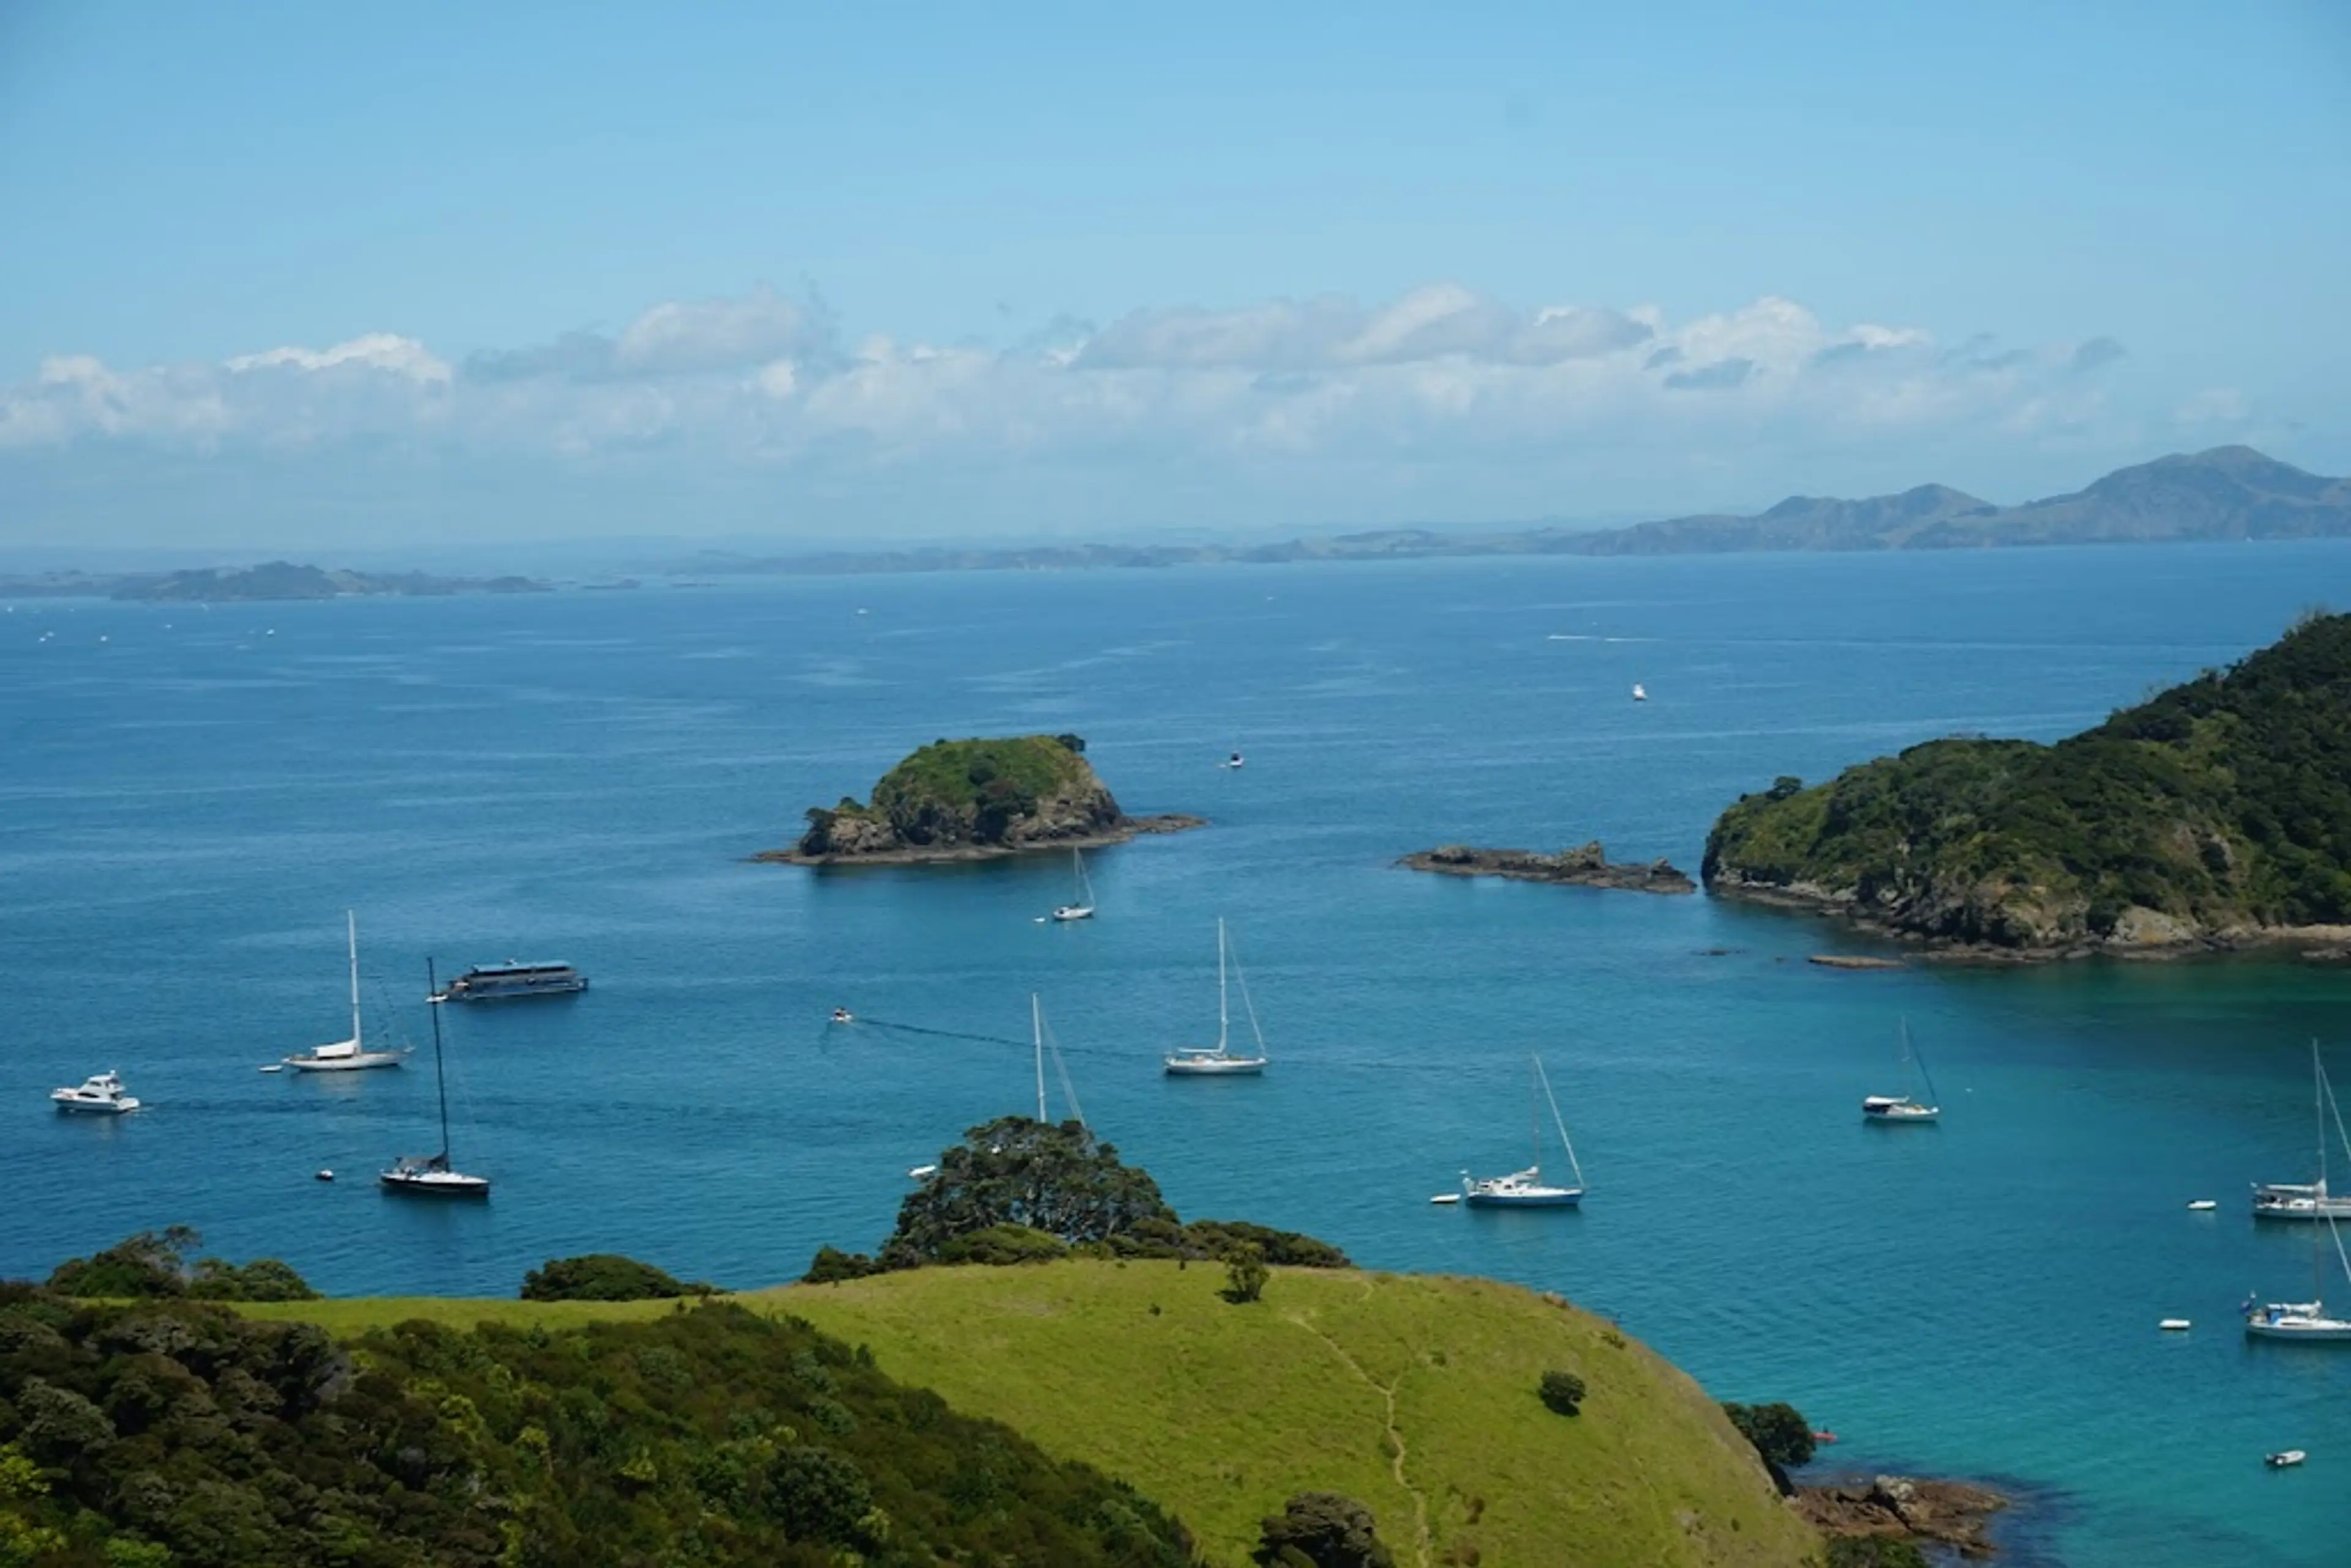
1446,1197
100,1094
1640,693
2284,1459
326,1176
922,1173
842,1015
2174,1326
2204,1205
1824,1437
273,1067
1234,760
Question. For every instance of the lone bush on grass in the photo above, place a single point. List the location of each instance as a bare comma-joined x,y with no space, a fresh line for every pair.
1562,1391
1245,1273
1320,1529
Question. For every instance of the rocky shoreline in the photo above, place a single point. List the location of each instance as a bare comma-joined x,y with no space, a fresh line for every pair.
2161,939
1122,831
1588,866
1947,1513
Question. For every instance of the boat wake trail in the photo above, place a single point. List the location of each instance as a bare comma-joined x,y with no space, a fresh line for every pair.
865,1022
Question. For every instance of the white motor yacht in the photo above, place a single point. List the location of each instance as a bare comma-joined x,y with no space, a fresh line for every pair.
98,1095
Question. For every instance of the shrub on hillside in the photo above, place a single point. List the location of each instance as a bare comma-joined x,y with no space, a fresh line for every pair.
831,1264
1874,1551
157,1265
602,1277
1562,1391
1246,1273
1780,1434
1320,1529
1003,1244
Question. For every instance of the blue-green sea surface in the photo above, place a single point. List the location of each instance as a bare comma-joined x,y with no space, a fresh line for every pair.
188,806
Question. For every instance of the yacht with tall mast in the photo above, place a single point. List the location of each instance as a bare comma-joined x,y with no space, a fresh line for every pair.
2307,1199
1527,1188
1220,1061
1081,905
347,1055
1901,1109
431,1176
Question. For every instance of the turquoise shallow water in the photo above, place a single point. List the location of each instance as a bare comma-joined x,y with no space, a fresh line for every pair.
187,808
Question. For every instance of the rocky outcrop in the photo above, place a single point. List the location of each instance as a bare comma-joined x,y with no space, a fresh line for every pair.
1588,866
1950,1513
973,799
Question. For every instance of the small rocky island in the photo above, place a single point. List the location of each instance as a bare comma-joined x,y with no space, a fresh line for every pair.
975,800
1586,867
2214,815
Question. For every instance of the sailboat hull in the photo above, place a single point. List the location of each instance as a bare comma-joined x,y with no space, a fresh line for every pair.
1556,1197
2302,1332
357,1063
1205,1066
1074,912
436,1183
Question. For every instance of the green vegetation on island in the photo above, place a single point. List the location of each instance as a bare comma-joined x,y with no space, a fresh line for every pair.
2217,812
604,1277
956,800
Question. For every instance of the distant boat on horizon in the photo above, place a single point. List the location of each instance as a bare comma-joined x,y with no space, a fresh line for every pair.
347,1055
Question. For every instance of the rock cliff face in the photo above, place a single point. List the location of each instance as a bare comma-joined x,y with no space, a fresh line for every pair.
2215,814
962,800
1588,866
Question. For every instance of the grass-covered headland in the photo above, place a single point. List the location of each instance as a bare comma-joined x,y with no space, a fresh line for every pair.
2218,811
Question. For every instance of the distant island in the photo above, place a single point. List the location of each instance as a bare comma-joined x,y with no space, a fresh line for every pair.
275,580
975,800
1586,867
2217,814
2227,493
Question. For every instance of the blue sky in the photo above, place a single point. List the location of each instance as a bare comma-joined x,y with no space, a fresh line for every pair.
311,276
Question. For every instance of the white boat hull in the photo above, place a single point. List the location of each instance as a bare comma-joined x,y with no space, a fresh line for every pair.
1073,912
1533,1197
359,1063
2306,1330
1899,1112
73,1107
1207,1066
436,1183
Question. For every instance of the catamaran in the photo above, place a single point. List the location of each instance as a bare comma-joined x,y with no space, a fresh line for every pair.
1902,1108
2310,1199
1081,907
1527,1188
1220,1063
431,1176
347,1055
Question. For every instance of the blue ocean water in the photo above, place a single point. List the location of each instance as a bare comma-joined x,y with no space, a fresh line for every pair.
188,806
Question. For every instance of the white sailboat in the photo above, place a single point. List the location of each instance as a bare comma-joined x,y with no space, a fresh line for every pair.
1081,907
2306,1322
1220,1063
1044,1041
2310,1199
1900,1109
1527,1188
431,1176
347,1055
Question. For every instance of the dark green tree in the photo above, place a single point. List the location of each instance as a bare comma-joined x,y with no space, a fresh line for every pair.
1320,1529
1561,1391
601,1277
1780,1434
1016,1171
1246,1273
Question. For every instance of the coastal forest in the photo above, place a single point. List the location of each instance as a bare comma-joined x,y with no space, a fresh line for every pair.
2217,810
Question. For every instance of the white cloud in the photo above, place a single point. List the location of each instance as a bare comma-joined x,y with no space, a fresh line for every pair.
2213,405
1442,378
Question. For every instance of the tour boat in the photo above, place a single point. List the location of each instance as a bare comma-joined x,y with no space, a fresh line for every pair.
496,982
431,1176
98,1095
347,1055
1081,907
1902,1108
1527,1188
1220,1063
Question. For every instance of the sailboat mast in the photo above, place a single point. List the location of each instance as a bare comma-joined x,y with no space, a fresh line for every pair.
1534,1112
440,1078
1037,1032
1224,1017
2318,1101
351,932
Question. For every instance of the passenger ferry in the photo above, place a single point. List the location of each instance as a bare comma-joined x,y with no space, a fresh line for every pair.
495,982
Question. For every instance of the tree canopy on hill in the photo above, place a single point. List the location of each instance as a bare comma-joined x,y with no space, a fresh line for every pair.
2222,804
602,1277
978,791
174,1432
1017,1190
158,1264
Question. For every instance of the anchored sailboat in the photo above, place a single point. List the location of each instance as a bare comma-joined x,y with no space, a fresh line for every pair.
2310,1199
1081,907
2307,1321
1221,1061
1527,1188
1043,1040
1902,1108
431,1176
352,1054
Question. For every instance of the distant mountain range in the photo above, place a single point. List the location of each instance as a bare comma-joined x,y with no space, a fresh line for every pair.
2228,493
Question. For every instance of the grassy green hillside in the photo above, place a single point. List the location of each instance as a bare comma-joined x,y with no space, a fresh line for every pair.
2222,806
1415,1393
